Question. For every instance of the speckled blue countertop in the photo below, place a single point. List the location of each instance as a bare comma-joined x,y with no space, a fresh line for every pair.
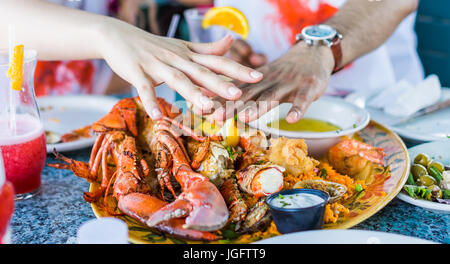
57,212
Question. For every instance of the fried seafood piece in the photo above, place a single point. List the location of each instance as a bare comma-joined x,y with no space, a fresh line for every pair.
291,154
261,180
354,158
236,205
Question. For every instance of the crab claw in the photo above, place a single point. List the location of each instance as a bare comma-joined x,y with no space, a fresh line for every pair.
203,205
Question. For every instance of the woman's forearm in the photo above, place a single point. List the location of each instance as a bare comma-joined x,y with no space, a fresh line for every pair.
140,58
366,24
56,32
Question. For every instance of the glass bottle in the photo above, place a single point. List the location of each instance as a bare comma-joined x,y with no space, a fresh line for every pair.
22,136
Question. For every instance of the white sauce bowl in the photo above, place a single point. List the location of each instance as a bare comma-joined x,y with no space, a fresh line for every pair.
336,111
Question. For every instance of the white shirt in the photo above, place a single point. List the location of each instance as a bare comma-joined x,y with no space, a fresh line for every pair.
395,60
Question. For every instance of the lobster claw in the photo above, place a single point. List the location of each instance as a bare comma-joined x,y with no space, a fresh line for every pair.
141,206
121,117
201,204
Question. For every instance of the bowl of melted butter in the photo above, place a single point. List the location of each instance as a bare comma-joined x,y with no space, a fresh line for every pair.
325,122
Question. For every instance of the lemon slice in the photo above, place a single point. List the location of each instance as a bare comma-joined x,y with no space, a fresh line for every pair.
209,128
228,17
230,133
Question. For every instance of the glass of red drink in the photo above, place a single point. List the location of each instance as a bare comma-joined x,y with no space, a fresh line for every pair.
22,136
6,205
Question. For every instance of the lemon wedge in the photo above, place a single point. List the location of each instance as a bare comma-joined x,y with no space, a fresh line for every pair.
230,133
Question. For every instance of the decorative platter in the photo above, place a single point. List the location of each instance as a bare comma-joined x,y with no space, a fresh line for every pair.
382,187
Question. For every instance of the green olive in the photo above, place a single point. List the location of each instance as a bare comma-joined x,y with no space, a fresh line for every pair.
438,165
418,170
426,180
422,159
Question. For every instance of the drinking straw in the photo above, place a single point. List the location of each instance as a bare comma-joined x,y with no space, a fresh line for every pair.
173,26
12,92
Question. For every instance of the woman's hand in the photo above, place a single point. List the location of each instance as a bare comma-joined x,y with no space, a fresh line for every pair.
299,77
192,69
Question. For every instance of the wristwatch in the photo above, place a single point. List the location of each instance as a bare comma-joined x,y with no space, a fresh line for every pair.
324,35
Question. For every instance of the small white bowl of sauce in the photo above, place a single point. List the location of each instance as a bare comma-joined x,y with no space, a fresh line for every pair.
325,122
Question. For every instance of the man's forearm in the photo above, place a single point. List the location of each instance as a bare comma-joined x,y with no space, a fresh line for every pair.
50,29
366,24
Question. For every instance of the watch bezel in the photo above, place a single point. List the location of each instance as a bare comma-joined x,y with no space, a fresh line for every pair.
315,40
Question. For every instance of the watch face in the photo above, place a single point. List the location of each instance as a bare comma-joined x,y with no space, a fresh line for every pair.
320,32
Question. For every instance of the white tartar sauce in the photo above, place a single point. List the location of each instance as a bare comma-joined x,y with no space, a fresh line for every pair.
296,201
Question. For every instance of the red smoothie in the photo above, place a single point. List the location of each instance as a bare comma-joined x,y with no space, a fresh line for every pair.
24,154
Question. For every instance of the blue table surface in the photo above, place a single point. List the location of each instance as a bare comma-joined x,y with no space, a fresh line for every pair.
56,213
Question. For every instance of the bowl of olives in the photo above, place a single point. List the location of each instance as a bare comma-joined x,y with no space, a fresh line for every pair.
428,184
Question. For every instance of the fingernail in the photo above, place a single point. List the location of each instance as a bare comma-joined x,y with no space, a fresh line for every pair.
256,74
233,91
155,113
206,102
294,115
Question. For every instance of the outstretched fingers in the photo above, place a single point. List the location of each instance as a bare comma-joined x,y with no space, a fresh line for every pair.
146,91
181,83
302,99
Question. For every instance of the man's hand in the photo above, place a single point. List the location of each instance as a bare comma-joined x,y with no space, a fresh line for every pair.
299,77
242,53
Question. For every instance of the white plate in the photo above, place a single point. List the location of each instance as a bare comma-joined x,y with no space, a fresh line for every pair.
439,151
343,237
427,128
62,114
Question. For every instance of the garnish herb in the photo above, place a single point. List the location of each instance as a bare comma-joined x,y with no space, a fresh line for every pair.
280,196
358,188
411,179
230,151
323,173
284,204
